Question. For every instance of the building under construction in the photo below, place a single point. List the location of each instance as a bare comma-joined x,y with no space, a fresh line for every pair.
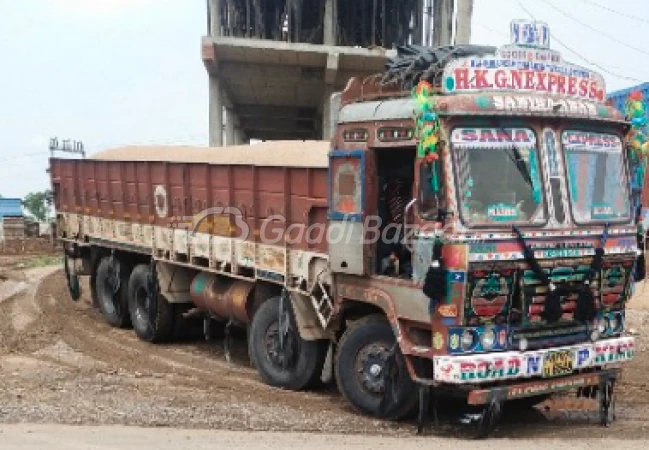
273,65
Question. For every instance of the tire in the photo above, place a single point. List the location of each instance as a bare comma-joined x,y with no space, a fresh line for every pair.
93,284
262,348
151,314
365,345
113,305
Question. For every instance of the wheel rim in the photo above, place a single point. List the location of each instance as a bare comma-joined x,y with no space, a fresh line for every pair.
370,367
142,306
276,355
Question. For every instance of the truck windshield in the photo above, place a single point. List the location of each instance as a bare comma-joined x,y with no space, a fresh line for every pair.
597,177
498,176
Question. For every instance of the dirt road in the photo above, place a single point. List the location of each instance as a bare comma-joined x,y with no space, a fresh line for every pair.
60,363
58,437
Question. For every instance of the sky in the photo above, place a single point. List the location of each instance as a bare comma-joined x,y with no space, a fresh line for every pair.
116,72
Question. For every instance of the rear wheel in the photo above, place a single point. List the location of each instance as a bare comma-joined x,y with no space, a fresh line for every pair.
362,360
288,362
111,288
152,316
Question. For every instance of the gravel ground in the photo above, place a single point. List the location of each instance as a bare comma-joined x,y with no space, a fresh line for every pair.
61,437
61,364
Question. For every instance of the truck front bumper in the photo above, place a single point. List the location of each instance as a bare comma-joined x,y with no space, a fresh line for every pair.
546,365
518,390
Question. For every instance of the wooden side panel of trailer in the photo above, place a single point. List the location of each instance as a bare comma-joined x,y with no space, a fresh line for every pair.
181,205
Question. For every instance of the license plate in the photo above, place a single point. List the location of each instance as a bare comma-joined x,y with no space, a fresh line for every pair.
556,364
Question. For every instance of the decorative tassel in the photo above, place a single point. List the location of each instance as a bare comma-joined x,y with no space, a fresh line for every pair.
435,283
553,310
586,310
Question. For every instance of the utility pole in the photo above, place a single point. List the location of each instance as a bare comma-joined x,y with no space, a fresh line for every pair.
463,22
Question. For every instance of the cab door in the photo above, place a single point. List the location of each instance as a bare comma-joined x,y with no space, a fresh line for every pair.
347,212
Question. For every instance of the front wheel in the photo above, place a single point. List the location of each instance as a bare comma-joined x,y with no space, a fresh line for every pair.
369,377
291,362
152,316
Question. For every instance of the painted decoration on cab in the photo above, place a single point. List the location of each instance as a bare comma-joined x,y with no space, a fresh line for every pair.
489,296
547,364
526,65
161,201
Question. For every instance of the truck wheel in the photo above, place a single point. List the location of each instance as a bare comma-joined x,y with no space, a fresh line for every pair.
151,314
112,291
361,363
296,367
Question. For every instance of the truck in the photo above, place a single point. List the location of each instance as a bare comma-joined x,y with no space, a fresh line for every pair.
467,233
632,102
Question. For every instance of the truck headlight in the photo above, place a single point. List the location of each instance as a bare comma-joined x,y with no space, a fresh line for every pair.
468,340
488,339
601,326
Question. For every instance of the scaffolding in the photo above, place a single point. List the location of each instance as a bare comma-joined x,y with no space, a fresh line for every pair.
352,23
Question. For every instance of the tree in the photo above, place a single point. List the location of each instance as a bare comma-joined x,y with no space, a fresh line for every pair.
37,204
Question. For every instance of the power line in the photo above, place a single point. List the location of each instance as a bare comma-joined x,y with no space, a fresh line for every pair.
579,55
623,14
590,27
505,35
24,156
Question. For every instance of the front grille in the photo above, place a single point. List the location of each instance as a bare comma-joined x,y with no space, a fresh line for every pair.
609,288
535,294
503,293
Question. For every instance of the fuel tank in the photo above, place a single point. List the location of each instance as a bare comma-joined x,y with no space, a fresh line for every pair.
225,298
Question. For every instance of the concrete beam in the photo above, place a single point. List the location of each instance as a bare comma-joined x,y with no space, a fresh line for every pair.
252,123
331,70
208,55
284,112
239,71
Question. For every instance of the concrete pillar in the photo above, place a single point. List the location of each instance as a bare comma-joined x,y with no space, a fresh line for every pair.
418,30
442,22
327,132
229,126
329,25
463,24
215,113
215,17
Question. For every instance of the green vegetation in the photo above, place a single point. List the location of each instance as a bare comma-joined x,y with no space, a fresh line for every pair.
43,261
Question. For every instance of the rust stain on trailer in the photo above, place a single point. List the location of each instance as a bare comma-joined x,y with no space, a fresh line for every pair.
271,258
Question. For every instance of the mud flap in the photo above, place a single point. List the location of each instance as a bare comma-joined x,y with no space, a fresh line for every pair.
606,400
72,279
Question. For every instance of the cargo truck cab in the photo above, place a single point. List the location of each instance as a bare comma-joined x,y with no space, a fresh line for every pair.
525,209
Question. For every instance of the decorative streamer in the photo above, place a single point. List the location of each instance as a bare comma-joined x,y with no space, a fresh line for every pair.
534,175
427,128
638,137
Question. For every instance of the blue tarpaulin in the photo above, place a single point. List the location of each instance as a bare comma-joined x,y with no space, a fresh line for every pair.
10,207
